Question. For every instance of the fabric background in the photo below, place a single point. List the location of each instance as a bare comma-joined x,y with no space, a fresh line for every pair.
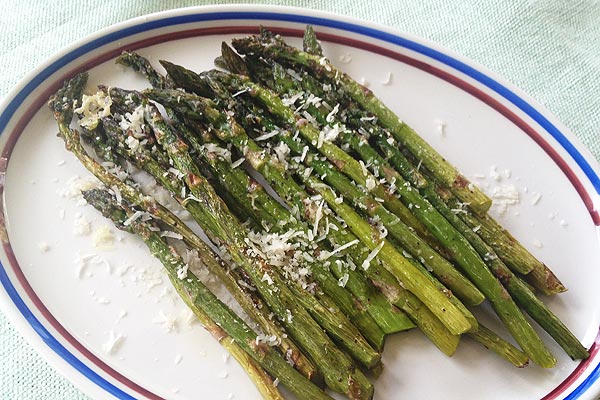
548,48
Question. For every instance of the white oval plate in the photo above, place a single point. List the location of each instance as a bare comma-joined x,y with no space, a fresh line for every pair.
70,298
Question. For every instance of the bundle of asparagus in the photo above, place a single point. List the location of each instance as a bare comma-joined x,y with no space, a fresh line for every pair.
360,230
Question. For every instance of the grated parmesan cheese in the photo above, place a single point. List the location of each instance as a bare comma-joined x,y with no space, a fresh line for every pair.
318,216
440,126
536,198
134,217
81,226
387,80
266,136
133,122
504,196
169,324
238,162
182,272
103,236
93,108
173,235
290,101
345,58
367,262
343,280
331,116
370,183
43,246
114,342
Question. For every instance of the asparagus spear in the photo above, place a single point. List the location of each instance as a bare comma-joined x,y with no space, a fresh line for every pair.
230,330
143,66
361,146
447,274
239,185
295,197
390,320
379,246
507,247
272,47
248,194
355,385
467,258
238,84
464,254
338,326
504,349
275,174
438,265
413,279
429,326
515,286
510,250
223,228
62,106
310,43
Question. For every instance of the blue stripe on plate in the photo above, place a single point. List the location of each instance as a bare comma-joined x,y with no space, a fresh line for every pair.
55,344
240,15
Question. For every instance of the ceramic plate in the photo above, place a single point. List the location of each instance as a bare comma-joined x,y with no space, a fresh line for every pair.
103,313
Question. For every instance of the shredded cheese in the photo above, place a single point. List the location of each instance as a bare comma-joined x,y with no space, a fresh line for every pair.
93,108
367,262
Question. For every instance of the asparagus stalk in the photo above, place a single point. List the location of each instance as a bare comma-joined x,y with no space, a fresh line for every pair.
443,270
515,322
451,316
464,254
230,330
515,286
510,250
410,241
453,279
246,143
241,187
390,320
275,174
504,349
338,326
143,66
238,84
523,295
361,146
296,197
513,253
223,228
278,219
62,106
310,43
272,47
380,247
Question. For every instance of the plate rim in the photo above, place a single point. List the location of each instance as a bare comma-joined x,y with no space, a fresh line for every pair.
13,100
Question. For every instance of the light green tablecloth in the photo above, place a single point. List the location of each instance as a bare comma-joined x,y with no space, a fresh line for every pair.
549,48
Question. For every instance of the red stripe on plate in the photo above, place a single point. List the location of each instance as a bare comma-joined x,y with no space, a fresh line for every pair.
569,380
485,98
41,98
65,334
